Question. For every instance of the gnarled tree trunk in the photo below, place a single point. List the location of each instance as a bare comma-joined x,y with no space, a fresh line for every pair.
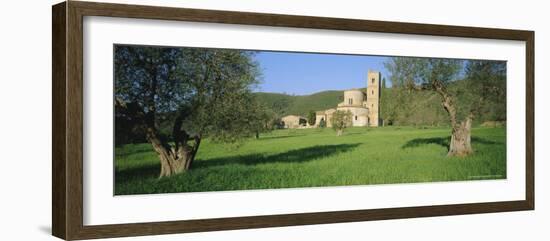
177,158
460,144
174,159
460,139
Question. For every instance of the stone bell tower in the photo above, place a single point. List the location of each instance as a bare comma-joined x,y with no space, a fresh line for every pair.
373,98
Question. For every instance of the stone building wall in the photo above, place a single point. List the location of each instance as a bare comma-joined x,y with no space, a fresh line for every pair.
373,97
292,121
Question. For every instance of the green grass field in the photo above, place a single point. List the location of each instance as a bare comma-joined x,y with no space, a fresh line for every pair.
316,157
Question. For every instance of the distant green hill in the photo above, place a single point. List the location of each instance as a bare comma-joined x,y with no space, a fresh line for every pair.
285,104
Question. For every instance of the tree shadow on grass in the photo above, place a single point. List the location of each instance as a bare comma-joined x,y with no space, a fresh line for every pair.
292,156
279,137
149,149
141,172
442,141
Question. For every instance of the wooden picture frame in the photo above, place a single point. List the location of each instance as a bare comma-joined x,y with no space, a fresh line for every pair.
67,77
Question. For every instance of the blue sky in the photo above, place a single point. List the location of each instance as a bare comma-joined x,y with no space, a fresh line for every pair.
308,73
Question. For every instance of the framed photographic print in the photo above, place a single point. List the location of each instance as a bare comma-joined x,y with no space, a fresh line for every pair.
170,120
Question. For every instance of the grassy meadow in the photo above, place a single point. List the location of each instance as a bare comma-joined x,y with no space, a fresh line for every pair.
316,157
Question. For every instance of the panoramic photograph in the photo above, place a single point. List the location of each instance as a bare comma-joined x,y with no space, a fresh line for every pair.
204,119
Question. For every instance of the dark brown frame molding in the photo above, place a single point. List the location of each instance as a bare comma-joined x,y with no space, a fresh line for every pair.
67,123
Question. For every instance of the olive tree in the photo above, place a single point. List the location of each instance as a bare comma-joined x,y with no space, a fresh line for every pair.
311,117
341,120
201,92
461,101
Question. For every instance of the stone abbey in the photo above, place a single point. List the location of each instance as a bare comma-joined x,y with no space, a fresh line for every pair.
363,105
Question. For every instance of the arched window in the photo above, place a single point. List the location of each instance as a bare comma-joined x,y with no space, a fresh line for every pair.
355,117
372,80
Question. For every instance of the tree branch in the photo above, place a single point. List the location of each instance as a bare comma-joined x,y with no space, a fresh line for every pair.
447,101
